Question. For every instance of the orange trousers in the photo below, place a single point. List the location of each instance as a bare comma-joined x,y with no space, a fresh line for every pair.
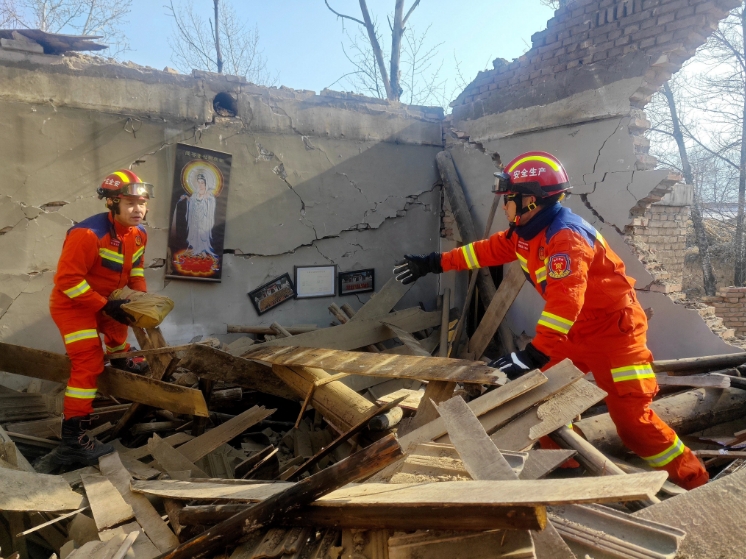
80,331
614,348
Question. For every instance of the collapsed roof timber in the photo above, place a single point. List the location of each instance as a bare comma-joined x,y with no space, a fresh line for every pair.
299,440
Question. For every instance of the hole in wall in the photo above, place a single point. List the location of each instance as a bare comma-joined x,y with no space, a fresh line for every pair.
225,104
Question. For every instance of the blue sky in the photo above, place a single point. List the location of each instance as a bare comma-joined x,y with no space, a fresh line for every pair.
301,38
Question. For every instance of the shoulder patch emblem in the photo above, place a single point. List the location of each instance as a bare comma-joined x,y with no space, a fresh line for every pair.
559,266
138,240
541,253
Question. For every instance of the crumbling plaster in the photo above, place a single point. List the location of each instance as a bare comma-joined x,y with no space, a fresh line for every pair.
315,179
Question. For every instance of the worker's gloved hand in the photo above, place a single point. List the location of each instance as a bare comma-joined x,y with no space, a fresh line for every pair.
414,266
519,363
114,309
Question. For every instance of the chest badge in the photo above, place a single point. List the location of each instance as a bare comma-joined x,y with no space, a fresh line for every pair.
115,242
523,245
138,240
559,266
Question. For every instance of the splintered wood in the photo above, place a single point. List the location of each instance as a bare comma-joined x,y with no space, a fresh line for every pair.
375,364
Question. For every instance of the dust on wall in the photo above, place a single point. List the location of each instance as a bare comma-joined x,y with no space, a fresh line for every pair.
316,179
579,93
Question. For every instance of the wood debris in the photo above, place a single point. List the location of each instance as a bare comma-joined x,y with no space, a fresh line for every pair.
248,450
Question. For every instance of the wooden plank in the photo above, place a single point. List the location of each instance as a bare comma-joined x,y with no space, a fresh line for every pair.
27,491
543,461
213,364
107,505
381,365
174,440
363,332
46,365
263,330
358,465
485,493
45,428
561,409
558,378
156,529
455,517
203,445
383,302
408,340
513,280
695,381
143,548
494,544
480,406
171,459
20,406
411,398
481,457
428,344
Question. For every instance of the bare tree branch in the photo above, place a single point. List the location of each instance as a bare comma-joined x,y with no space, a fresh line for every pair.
409,12
342,15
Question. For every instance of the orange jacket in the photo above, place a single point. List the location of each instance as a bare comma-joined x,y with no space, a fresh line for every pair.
99,256
569,264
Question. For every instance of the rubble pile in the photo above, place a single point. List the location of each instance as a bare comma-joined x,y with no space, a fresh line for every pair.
309,442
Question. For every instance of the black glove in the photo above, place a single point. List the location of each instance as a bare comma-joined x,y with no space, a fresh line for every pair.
414,266
114,309
519,363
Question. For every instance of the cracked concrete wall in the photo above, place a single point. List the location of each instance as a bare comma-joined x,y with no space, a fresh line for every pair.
316,179
580,96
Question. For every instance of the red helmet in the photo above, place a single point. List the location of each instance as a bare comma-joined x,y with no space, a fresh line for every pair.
124,183
535,173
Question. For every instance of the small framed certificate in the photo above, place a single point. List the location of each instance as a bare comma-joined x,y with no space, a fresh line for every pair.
315,281
271,294
357,281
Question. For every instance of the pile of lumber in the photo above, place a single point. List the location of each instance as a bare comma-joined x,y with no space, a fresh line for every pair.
355,441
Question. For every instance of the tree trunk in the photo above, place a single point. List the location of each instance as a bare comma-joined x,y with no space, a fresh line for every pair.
704,249
370,28
216,32
740,269
396,34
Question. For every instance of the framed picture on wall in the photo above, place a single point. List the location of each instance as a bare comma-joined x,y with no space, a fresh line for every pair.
268,296
356,281
315,281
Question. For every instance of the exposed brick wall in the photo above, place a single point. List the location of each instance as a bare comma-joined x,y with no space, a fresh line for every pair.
591,43
730,305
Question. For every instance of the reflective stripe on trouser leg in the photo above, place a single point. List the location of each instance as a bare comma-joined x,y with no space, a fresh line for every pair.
80,335
662,458
81,393
116,349
632,372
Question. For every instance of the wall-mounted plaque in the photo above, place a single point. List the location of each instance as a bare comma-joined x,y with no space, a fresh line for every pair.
315,281
271,294
357,281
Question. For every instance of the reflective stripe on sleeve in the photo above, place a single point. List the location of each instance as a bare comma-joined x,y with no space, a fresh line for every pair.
541,274
523,261
470,256
671,453
78,290
138,253
555,322
80,335
82,393
137,272
116,349
632,372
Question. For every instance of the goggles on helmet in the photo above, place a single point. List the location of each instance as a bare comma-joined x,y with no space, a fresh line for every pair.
502,183
139,189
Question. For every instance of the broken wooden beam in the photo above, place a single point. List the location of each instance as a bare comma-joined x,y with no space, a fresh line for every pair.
685,413
381,365
360,464
46,365
264,330
26,491
466,518
363,332
213,364
697,365
381,303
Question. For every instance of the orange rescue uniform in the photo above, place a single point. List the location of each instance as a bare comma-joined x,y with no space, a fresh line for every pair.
99,256
592,317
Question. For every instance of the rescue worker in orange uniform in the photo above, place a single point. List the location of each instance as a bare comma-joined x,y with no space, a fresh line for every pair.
591,315
100,254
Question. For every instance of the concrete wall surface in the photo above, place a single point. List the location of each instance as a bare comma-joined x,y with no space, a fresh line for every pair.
579,94
315,179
